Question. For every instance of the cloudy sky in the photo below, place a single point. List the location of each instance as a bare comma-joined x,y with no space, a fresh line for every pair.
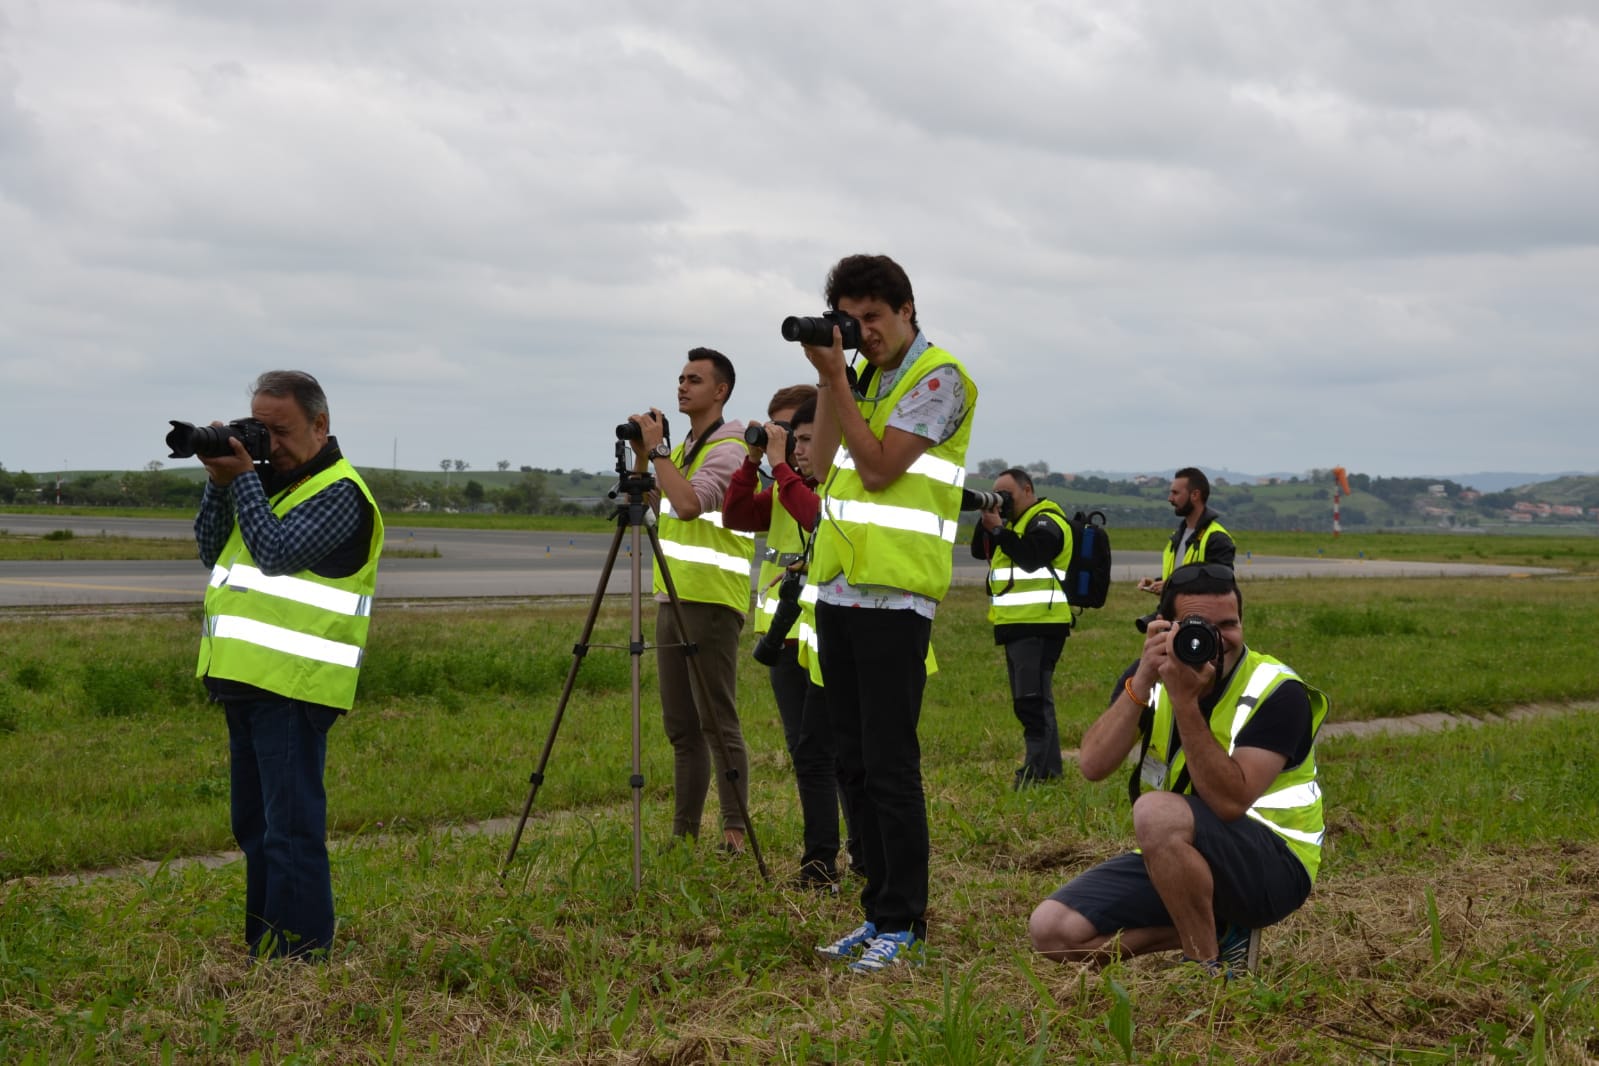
1262,236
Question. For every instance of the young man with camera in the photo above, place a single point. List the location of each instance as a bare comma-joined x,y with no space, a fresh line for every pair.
1027,543
293,547
1226,807
890,449
710,567
786,512
1199,537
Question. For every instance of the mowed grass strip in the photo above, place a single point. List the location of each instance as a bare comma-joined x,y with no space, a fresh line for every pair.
1455,919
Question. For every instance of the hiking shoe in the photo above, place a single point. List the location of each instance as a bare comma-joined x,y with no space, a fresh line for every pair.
887,949
812,877
850,944
1238,949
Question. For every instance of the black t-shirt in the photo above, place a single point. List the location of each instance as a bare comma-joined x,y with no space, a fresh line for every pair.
1281,724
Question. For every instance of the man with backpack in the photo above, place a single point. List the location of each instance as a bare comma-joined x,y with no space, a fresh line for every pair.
1028,547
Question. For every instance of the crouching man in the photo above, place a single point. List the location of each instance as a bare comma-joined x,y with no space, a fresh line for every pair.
1226,809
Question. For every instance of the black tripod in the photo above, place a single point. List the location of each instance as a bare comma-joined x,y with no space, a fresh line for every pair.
633,514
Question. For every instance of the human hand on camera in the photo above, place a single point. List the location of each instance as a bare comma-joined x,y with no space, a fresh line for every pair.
1184,682
776,444
992,520
650,430
829,362
224,468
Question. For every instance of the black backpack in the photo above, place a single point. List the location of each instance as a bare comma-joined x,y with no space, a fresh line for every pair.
1088,574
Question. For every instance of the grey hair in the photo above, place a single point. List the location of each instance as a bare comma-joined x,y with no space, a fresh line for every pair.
305,389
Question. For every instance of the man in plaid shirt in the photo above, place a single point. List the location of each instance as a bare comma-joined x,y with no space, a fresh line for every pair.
293,547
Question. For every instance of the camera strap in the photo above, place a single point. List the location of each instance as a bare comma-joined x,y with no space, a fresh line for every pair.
699,443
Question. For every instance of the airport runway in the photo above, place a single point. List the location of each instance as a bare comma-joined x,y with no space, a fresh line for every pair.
481,563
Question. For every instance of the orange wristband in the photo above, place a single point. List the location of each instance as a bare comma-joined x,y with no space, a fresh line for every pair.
1128,685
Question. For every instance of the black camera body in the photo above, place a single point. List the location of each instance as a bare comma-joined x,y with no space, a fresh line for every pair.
977,500
818,331
1196,642
770,647
187,439
755,435
631,430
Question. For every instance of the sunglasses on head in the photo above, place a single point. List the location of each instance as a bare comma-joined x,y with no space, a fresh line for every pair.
1185,575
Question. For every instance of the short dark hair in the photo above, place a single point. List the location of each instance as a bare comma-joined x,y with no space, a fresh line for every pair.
1197,481
805,413
1018,475
792,396
305,389
723,365
1199,579
870,277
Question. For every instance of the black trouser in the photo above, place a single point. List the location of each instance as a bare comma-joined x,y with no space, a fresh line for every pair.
1030,661
803,708
874,668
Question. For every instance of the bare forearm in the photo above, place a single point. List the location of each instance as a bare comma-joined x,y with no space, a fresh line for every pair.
1106,743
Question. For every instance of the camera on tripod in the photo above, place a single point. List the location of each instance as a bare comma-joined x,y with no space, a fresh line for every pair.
187,439
632,430
818,331
770,647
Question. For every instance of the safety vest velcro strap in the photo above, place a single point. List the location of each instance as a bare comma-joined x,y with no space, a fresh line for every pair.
926,465
1007,574
907,519
288,641
1284,831
1290,797
703,556
245,578
1024,599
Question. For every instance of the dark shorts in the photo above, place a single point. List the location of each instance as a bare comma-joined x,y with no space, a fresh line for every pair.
1258,880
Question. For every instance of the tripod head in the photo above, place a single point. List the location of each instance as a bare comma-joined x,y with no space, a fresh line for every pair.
631,484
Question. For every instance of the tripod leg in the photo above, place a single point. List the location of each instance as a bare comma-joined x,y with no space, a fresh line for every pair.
635,652
689,650
578,651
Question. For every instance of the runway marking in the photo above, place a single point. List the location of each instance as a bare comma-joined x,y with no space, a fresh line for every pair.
94,588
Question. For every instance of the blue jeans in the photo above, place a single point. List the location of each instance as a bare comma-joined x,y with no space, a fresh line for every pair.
280,815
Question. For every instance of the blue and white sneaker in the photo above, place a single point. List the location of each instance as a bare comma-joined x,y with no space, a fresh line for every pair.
888,949
850,944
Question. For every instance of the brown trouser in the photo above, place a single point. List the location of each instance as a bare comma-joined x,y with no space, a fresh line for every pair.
691,716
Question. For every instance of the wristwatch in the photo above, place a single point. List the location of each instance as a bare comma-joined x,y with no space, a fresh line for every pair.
662,450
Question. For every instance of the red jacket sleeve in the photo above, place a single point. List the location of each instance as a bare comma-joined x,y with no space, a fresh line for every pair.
799,499
746,508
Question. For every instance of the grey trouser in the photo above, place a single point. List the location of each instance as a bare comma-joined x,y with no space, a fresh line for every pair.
691,716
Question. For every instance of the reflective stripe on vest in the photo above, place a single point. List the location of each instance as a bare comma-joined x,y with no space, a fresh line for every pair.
1018,596
298,635
1292,806
709,563
898,537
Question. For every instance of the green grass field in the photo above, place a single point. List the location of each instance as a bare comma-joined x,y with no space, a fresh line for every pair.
1455,920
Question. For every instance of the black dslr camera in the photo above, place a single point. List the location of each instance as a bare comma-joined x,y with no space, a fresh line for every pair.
631,430
818,331
1196,643
755,435
770,647
187,439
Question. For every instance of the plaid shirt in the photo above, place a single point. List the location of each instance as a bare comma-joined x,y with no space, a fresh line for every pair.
297,541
